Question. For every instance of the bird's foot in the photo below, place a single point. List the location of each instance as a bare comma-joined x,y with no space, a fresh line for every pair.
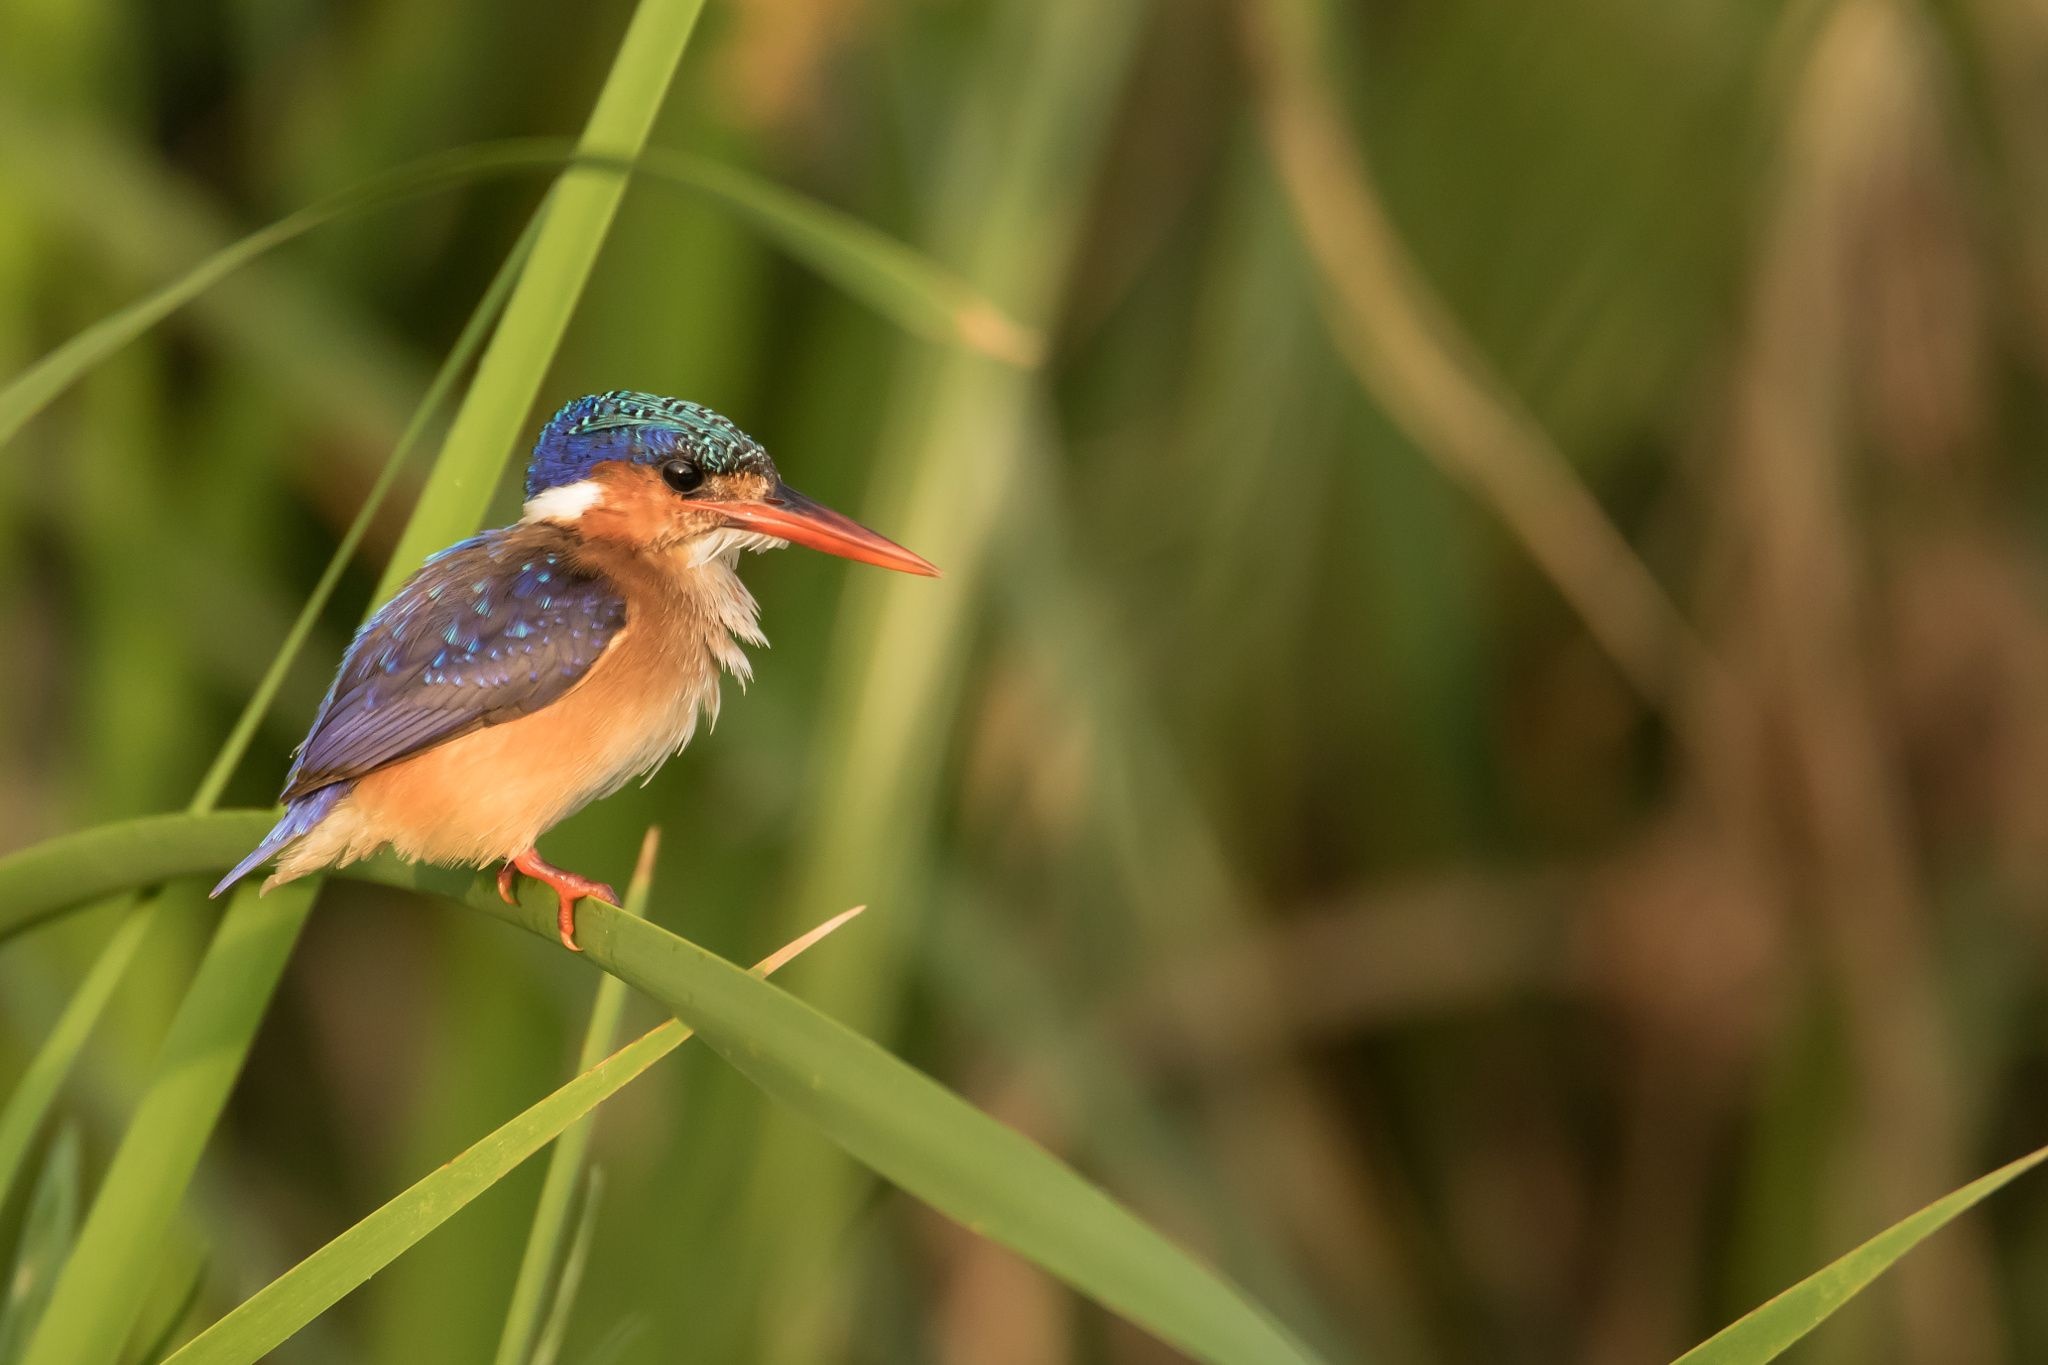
568,887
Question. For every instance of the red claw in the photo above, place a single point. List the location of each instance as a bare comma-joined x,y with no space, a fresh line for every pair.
569,888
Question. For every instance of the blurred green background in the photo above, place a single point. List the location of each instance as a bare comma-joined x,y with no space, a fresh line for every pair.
1487,937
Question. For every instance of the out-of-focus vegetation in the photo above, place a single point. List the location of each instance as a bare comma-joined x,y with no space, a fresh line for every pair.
1482,759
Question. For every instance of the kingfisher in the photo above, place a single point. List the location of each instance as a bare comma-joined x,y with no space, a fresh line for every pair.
530,670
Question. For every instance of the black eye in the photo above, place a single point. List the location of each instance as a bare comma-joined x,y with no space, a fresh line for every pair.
682,475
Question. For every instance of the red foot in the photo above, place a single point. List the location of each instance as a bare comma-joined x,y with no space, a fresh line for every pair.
569,888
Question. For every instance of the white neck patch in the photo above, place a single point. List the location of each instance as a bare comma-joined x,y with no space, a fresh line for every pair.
565,503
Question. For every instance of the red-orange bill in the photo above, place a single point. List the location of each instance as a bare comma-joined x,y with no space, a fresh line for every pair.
788,515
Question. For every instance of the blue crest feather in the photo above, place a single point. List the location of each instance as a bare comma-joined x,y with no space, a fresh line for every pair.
643,428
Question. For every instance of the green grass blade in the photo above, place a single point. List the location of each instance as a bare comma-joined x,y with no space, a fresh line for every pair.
893,279
896,281
70,870
46,1236
106,1281
548,1349
565,1162
29,392
191,1284
913,1132
33,1095
617,1342
317,1283
1768,1331
889,1116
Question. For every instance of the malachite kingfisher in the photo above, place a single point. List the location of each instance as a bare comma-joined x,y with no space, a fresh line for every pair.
528,671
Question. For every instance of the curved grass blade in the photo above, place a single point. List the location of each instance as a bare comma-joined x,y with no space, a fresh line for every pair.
43,880
1766,1332
891,1117
314,1285
30,391
897,282
565,1162
46,1236
893,279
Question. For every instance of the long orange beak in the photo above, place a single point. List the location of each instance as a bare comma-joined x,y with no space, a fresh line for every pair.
788,515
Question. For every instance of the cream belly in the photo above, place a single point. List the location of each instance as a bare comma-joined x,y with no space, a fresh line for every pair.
492,793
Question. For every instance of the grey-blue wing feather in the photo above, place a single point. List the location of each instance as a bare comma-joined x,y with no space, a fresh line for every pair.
488,630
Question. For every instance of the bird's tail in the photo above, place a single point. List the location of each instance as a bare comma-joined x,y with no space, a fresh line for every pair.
300,815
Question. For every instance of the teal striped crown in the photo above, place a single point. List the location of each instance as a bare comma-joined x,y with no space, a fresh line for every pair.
644,428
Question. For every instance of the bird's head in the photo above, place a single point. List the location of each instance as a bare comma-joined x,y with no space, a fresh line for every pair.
660,474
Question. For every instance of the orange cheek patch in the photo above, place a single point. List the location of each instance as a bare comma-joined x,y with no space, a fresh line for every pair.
637,506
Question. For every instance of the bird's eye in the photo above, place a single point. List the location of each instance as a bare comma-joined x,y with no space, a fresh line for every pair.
682,475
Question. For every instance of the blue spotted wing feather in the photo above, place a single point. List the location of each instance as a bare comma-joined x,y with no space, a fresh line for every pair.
487,631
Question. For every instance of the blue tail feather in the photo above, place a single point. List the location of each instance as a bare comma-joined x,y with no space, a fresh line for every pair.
300,816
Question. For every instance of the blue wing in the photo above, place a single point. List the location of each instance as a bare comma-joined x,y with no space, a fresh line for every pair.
488,630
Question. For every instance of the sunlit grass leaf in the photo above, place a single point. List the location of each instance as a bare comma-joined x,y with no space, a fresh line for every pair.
889,1116
314,1285
889,277
1767,1331
565,1163
46,1236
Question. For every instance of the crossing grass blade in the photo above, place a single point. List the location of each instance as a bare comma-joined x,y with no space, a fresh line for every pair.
310,1288
565,1163
1768,1331
884,1113
897,282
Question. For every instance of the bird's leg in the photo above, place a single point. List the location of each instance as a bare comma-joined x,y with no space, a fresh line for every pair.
569,888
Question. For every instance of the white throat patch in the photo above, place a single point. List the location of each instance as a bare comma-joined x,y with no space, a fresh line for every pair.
566,503
726,543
